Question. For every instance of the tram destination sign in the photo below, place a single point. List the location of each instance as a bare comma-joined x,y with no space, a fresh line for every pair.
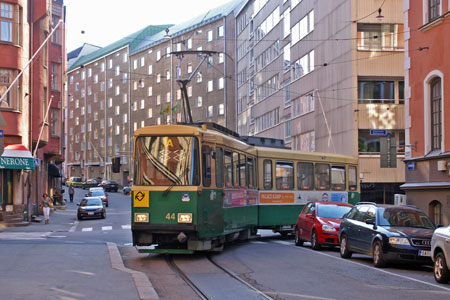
378,131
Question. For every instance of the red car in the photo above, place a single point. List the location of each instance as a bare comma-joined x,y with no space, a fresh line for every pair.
319,222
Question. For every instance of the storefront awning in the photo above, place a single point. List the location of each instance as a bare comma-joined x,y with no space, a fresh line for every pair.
53,170
18,157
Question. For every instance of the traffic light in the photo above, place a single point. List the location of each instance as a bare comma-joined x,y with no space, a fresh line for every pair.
116,164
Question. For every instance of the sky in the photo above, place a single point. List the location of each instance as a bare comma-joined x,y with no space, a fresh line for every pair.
106,21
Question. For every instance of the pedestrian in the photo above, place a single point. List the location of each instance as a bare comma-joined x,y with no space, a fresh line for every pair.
46,205
71,192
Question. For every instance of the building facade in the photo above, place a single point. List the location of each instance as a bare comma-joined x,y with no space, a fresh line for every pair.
323,75
31,86
427,94
133,83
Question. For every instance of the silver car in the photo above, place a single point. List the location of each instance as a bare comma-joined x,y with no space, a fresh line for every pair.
440,253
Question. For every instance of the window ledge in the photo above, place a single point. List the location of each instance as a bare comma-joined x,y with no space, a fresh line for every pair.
434,23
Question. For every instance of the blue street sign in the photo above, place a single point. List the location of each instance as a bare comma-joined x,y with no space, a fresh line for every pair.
1,133
411,165
36,162
378,131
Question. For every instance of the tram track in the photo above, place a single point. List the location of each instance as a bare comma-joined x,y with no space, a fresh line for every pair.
248,291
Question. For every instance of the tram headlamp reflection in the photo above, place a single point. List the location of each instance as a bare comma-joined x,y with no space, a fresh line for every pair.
184,218
141,217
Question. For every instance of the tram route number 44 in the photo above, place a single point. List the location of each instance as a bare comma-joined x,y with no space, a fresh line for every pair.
170,216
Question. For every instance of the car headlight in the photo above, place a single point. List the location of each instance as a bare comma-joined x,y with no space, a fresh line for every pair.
328,228
141,217
184,218
398,241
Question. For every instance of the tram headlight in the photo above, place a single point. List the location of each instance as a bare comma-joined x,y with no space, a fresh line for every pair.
184,218
141,217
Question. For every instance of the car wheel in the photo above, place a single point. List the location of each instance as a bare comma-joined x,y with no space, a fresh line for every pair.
298,241
378,257
106,204
314,243
103,215
441,272
116,190
344,251
79,217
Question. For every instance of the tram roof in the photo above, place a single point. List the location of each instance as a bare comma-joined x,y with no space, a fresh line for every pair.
275,153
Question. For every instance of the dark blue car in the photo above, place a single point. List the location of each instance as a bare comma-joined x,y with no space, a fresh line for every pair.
389,233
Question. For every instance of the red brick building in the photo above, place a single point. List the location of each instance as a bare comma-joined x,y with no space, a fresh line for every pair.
32,61
427,97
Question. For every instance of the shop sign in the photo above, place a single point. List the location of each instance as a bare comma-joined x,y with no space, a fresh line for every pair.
18,163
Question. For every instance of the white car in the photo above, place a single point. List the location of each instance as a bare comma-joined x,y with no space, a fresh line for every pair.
440,253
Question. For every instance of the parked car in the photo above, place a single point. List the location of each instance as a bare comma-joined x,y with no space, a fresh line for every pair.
75,182
91,207
440,250
319,222
109,185
127,189
387,232
98,192
90,183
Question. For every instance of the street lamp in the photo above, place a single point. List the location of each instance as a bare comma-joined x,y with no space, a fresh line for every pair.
380,17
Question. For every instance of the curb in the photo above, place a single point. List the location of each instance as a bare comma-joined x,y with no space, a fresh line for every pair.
143,285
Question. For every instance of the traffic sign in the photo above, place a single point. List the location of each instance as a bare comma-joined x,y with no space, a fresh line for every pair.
378,131
411,165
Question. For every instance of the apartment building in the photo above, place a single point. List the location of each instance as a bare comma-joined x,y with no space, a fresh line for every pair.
205,47
326,76
427,89
133,83
97,108
31,86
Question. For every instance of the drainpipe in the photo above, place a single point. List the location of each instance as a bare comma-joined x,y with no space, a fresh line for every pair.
130,164
225,102
105,125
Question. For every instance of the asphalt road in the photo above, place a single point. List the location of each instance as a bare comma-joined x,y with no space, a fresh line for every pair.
68,259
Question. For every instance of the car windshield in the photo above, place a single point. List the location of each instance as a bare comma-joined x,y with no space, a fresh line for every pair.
91,202
332,211
404,218
97,193
166,160
77,180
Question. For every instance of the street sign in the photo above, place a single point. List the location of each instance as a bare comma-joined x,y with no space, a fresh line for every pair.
36,162
2,144
411,165
378,131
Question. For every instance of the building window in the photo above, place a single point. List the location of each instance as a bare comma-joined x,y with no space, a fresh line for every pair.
221,109
304,65
189,44
220,32
150,70
189,91
302,28
287,57
168,97
221,58
199,101
142,61
210,112
436,111
54,122
199,77
135,64
368,143
167,74
168,50
158,99
150,113
376,91
221,83
158,55
435,212
380,37
158,78
6,78
7,23
189,67
209,36
210,86
434,9
117,70
117,110
142,103
150,91
55,77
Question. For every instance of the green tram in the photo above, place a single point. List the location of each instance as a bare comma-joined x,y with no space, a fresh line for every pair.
199,186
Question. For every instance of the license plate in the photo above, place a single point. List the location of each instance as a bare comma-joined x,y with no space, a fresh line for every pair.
90,213
424,253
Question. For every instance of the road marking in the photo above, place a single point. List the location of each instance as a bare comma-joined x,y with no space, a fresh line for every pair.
283,243
369,267
126,226
258,242
74,226
24,235
106,227
87,229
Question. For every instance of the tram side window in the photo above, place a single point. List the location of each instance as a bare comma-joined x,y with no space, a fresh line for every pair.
267,165
206,165
242,170
322,177
352,179
284,175
251,172
338,178
228,168
219,167
305,180
196,164
236,168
